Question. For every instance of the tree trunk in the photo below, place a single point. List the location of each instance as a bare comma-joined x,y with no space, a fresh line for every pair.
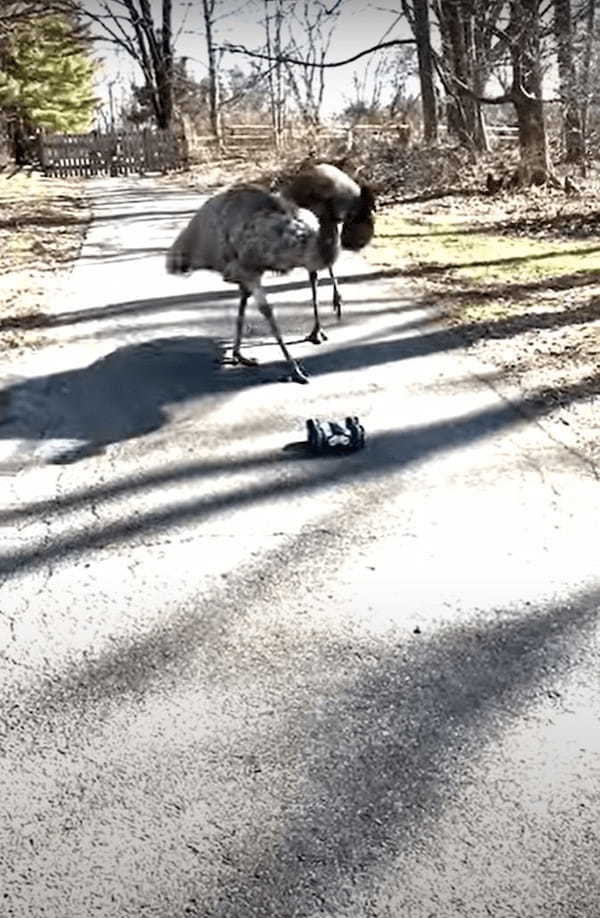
563,30
161,84
270,80
279,96
213,78
535,165
585,87
526,92
465,118
165,82
425,59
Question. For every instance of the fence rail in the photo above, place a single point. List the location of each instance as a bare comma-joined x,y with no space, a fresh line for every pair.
242,140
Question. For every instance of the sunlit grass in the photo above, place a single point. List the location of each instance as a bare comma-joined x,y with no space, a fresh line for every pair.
499,274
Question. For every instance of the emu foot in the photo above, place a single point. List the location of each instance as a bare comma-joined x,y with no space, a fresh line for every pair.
239,359
296,374
317,335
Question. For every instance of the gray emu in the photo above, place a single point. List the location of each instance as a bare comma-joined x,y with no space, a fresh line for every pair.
246,230
328,191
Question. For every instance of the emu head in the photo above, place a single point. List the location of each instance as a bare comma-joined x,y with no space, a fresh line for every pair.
359,226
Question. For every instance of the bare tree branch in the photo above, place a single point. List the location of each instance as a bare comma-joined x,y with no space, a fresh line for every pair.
284,59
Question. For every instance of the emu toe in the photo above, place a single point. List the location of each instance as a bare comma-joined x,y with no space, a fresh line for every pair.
237,358
317,335
297,374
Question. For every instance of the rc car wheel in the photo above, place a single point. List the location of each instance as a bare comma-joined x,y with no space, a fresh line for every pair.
316,437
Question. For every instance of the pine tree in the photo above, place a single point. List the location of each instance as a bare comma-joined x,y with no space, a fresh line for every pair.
46,76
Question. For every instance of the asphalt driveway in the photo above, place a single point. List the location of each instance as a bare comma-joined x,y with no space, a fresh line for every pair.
238,681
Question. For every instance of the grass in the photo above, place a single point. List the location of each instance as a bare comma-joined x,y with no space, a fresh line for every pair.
518,278
479,272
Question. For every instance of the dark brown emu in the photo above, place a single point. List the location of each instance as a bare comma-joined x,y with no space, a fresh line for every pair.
331,194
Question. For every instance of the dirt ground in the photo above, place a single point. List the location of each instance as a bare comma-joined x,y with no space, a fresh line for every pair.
542,336
42,227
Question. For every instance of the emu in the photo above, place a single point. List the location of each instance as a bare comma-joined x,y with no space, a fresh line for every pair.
246,230
328,191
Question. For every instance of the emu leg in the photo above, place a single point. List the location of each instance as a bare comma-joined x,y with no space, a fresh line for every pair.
317,334
337,298
239,327
298,375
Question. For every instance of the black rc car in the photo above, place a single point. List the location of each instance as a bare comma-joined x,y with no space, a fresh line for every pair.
331,437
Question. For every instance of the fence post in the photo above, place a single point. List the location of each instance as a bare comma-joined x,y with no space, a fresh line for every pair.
41,151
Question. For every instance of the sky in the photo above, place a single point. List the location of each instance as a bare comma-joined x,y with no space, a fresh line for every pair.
360,25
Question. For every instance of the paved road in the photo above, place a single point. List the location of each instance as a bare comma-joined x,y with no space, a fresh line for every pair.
240,682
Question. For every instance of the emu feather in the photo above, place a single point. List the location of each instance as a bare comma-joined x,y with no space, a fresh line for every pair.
243,232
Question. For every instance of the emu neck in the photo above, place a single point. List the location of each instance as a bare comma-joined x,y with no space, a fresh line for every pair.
328,240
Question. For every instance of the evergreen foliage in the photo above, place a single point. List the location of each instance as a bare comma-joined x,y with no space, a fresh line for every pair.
46,76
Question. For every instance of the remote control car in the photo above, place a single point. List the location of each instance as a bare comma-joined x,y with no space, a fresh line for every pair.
330,436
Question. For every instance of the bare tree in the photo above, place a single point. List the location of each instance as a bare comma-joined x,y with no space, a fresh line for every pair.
417,14
208,13
309,30
563,31
526,90
401,69
586,69
131,25
274,72
522,40
468,49
368,89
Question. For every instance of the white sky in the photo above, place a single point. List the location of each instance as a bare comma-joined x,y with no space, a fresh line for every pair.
359,26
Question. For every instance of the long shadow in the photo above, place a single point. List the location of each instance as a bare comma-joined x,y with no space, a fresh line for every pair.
130,307
139,307
514,325
577,224
435,195
367,353
194,300
520,289
387,452
84,404
80,404
119,397
28,220
439,267
146,215
384,758
110,255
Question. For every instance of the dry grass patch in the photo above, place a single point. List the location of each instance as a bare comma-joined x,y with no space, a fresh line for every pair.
42,225
525,288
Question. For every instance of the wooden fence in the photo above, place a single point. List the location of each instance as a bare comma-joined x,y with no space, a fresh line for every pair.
111,153
247,141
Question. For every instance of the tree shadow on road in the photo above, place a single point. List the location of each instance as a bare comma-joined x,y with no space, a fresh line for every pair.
378,746
387,452
380,760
